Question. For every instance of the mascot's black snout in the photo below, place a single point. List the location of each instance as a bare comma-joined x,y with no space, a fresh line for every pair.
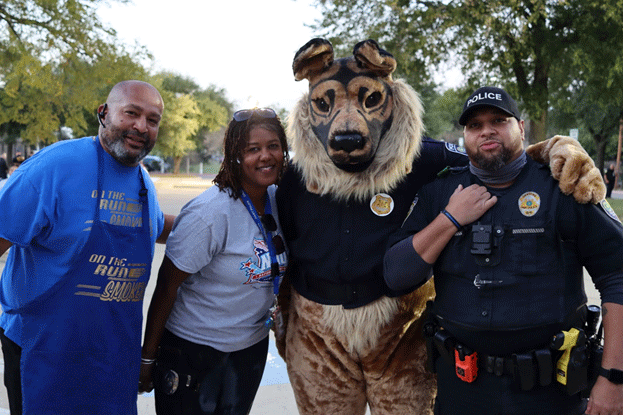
347,142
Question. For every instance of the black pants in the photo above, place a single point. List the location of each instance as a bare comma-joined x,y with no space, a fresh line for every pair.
12,354
228,381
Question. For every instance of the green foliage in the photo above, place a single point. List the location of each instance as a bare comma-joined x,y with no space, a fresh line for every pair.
27,99
178,84
43,97
402,29
596,115
591,98
214,114
442,115
57,64
190,115
179,124
532,48
52,29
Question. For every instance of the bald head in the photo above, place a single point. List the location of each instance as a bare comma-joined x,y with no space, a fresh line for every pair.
123,89
130,120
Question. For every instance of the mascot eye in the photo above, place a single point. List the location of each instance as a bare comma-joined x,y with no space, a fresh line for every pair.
373,100
322,105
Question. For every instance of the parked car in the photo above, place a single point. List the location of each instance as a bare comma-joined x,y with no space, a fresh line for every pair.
155,163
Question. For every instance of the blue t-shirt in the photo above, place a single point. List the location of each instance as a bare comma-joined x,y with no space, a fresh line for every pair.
48,206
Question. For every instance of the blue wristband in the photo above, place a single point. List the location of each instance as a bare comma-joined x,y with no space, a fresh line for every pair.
454,221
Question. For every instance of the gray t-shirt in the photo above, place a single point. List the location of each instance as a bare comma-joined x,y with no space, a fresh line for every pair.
225,301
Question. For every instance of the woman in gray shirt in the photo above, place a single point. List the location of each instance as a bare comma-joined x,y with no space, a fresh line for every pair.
206,339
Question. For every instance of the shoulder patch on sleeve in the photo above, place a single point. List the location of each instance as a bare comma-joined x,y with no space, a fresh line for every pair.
609,211
455,149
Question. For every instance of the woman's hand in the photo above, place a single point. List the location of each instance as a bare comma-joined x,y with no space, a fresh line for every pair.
145,381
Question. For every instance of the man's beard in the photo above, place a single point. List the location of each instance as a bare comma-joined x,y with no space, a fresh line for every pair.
492,163
113,138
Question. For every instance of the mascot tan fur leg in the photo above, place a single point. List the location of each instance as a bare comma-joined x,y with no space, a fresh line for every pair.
328,377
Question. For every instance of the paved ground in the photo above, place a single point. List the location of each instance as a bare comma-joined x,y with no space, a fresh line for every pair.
275,395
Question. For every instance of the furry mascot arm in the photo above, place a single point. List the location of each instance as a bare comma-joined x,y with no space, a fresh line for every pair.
571,166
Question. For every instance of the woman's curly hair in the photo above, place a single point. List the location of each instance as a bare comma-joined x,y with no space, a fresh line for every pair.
236,138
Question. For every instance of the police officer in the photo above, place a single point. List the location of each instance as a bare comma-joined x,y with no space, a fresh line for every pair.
507,250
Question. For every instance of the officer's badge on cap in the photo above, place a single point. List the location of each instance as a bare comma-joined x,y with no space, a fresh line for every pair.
489,96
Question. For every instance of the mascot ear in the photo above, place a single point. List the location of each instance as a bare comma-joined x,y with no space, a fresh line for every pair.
312,59
369,55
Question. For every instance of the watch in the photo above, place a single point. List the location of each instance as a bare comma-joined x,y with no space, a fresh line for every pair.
613,375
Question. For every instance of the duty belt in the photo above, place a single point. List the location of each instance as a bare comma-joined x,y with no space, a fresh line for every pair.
572,356
528,369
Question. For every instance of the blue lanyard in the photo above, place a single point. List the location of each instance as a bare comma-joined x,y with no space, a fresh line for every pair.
274,264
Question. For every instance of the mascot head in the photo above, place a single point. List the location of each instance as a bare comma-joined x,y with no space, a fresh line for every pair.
357,131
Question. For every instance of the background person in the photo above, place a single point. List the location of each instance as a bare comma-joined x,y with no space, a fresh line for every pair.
609,178
9,173
218,280
3,166
82,220
18,159
507,249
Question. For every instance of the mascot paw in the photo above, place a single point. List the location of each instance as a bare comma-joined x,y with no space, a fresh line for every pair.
572,167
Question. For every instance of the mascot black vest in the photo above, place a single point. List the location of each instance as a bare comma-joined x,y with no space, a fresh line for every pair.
530,278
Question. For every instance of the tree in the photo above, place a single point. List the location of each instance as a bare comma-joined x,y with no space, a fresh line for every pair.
517,44
596,114
179,124
441,117
44,97
57,63
52,28
399,28
215,113
591,94
190,115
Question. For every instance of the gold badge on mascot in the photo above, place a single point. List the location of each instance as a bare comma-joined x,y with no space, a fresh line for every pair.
382,204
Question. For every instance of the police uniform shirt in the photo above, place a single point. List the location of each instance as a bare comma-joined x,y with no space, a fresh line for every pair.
532,280
344,242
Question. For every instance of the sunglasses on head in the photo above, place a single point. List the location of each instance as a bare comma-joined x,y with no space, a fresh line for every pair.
244,115
268,221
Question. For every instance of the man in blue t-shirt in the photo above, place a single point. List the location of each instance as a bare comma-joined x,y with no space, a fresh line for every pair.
81,218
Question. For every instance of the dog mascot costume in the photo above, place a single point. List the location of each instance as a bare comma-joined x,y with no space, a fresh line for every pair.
359,161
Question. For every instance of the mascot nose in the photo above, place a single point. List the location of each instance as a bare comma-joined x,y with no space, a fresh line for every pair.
347,142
